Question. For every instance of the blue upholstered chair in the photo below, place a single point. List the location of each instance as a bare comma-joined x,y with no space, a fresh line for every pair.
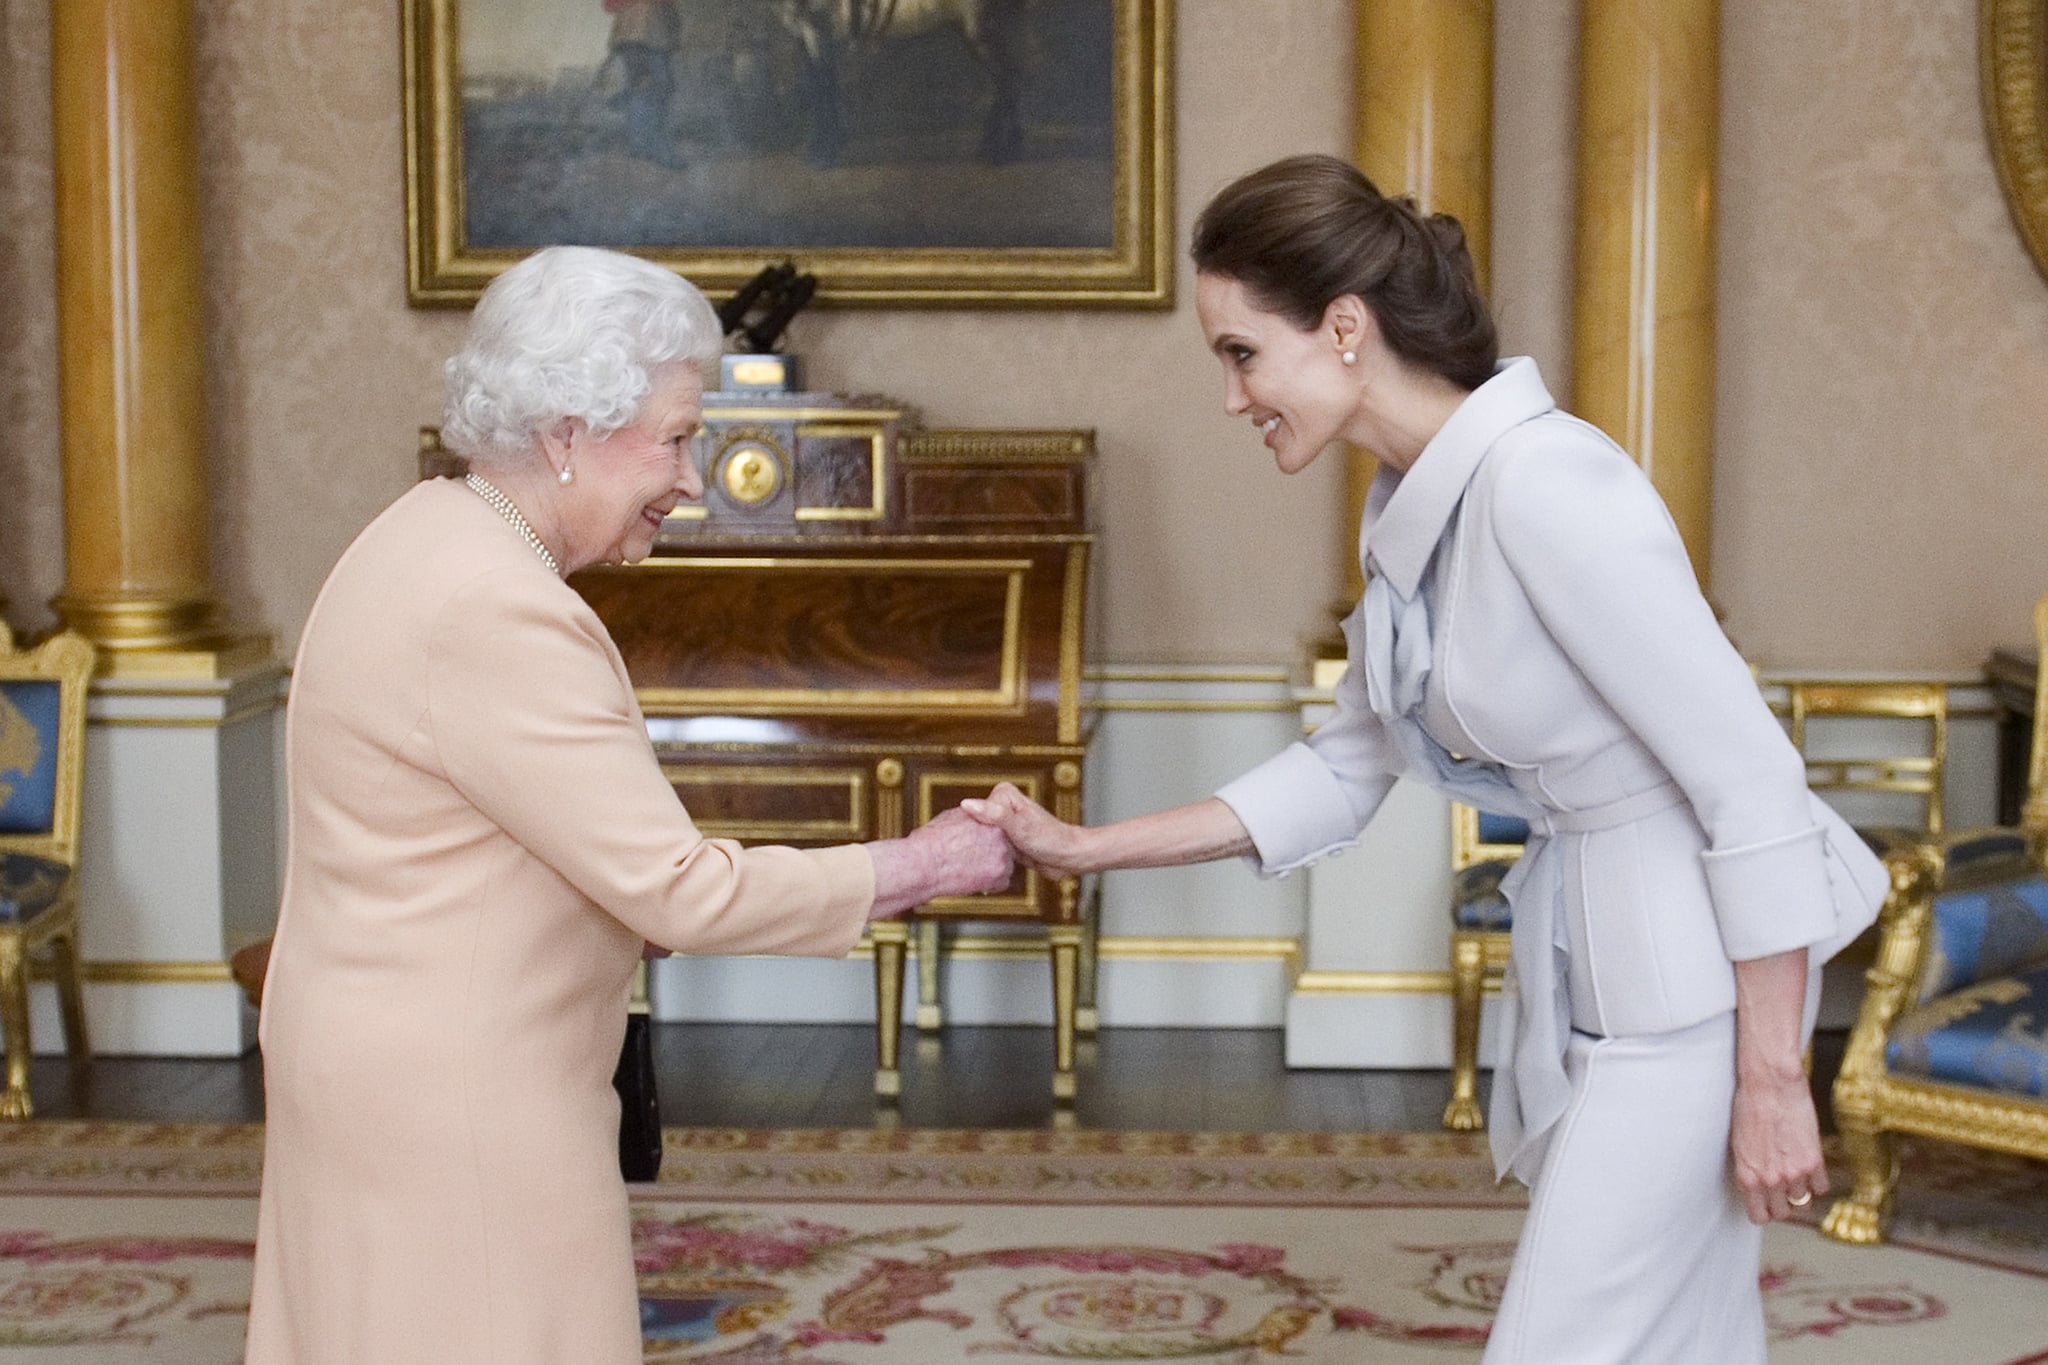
1483,848
42,771
1951,1041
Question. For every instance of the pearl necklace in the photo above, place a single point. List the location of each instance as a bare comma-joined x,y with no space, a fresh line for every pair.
504,507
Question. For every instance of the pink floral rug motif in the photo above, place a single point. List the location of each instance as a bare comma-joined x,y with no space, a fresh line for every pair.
127,1243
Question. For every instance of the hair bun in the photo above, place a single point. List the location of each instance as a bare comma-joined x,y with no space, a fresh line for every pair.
1448,232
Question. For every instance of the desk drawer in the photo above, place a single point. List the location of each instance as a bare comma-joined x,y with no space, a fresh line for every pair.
776,803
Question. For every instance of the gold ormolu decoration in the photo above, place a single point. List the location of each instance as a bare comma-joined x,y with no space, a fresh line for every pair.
130,326
1643,329
1870,1101
2012,36
1423,84
752,473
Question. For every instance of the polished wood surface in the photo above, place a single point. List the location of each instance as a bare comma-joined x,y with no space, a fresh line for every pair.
818,1076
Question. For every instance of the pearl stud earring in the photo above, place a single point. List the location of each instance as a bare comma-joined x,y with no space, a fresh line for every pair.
1351,357
567,475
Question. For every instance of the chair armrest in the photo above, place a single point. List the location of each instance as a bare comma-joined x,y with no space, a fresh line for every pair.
1892,983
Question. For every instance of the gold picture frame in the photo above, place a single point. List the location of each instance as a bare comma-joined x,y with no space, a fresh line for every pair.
554,138
2013,37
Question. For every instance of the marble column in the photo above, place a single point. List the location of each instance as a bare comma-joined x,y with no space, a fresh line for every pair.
1643,331
1424,110
130,332
179,844
1374,986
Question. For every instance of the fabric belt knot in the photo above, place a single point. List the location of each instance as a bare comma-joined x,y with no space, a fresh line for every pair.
1530,1088
1397,647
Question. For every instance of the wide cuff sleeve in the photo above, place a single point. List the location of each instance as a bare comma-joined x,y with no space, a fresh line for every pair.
1294,808
1771,897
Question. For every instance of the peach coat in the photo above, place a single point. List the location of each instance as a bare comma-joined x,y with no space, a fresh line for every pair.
480,839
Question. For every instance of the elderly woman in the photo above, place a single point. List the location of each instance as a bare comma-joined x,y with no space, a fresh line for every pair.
481,848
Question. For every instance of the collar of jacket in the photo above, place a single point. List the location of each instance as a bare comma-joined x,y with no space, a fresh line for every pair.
1405,514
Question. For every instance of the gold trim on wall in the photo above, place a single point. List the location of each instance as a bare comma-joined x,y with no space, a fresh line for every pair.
1380,983
1189,704
146,973
1134,271
1031,947
1178,673
2013,46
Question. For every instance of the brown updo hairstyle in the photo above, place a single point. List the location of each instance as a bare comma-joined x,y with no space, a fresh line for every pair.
1309,229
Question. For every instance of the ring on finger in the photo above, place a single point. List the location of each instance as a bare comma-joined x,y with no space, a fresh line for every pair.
1800,1200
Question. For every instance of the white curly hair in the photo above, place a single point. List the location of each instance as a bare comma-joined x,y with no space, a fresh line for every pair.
571,331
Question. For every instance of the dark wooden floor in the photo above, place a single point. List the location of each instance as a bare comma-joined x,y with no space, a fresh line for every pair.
820,1076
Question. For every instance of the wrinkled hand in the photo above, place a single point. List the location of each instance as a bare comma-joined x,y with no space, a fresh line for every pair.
953,855
1045,842
1775,1140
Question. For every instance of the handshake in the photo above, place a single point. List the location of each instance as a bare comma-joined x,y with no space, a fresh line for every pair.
971,849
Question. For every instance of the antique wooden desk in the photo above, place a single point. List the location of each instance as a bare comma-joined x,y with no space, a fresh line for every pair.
862,624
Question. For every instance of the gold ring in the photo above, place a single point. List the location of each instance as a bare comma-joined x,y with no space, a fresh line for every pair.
1801,1201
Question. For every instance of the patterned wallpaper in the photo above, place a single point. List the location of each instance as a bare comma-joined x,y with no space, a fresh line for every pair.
1883,337
31,519
1882,475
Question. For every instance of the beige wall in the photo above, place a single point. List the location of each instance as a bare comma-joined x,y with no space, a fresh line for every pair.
1883,336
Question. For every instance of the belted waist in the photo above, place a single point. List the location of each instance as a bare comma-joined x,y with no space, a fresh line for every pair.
1613,815
1531,1092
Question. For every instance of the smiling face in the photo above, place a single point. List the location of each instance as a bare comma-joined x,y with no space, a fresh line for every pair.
1292,384
625,483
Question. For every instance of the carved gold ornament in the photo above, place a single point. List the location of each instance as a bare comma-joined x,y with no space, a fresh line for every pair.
2011,37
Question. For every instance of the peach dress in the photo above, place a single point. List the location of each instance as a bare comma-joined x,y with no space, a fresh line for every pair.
480,839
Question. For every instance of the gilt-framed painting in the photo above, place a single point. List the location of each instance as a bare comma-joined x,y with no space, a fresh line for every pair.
906,152
2014,38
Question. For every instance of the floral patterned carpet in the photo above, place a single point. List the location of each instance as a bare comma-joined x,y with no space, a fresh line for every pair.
132,1243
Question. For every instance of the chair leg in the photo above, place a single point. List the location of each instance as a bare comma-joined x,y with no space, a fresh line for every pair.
71,992
1467,963
890,938
931,1016
1086,1018
1860,1216
14,1101
1064,944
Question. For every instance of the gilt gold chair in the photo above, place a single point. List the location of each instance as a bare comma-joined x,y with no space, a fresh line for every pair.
1948,1042
1834,763
42,773
1483,848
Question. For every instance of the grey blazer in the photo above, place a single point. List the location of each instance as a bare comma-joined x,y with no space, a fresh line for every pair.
1558,650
